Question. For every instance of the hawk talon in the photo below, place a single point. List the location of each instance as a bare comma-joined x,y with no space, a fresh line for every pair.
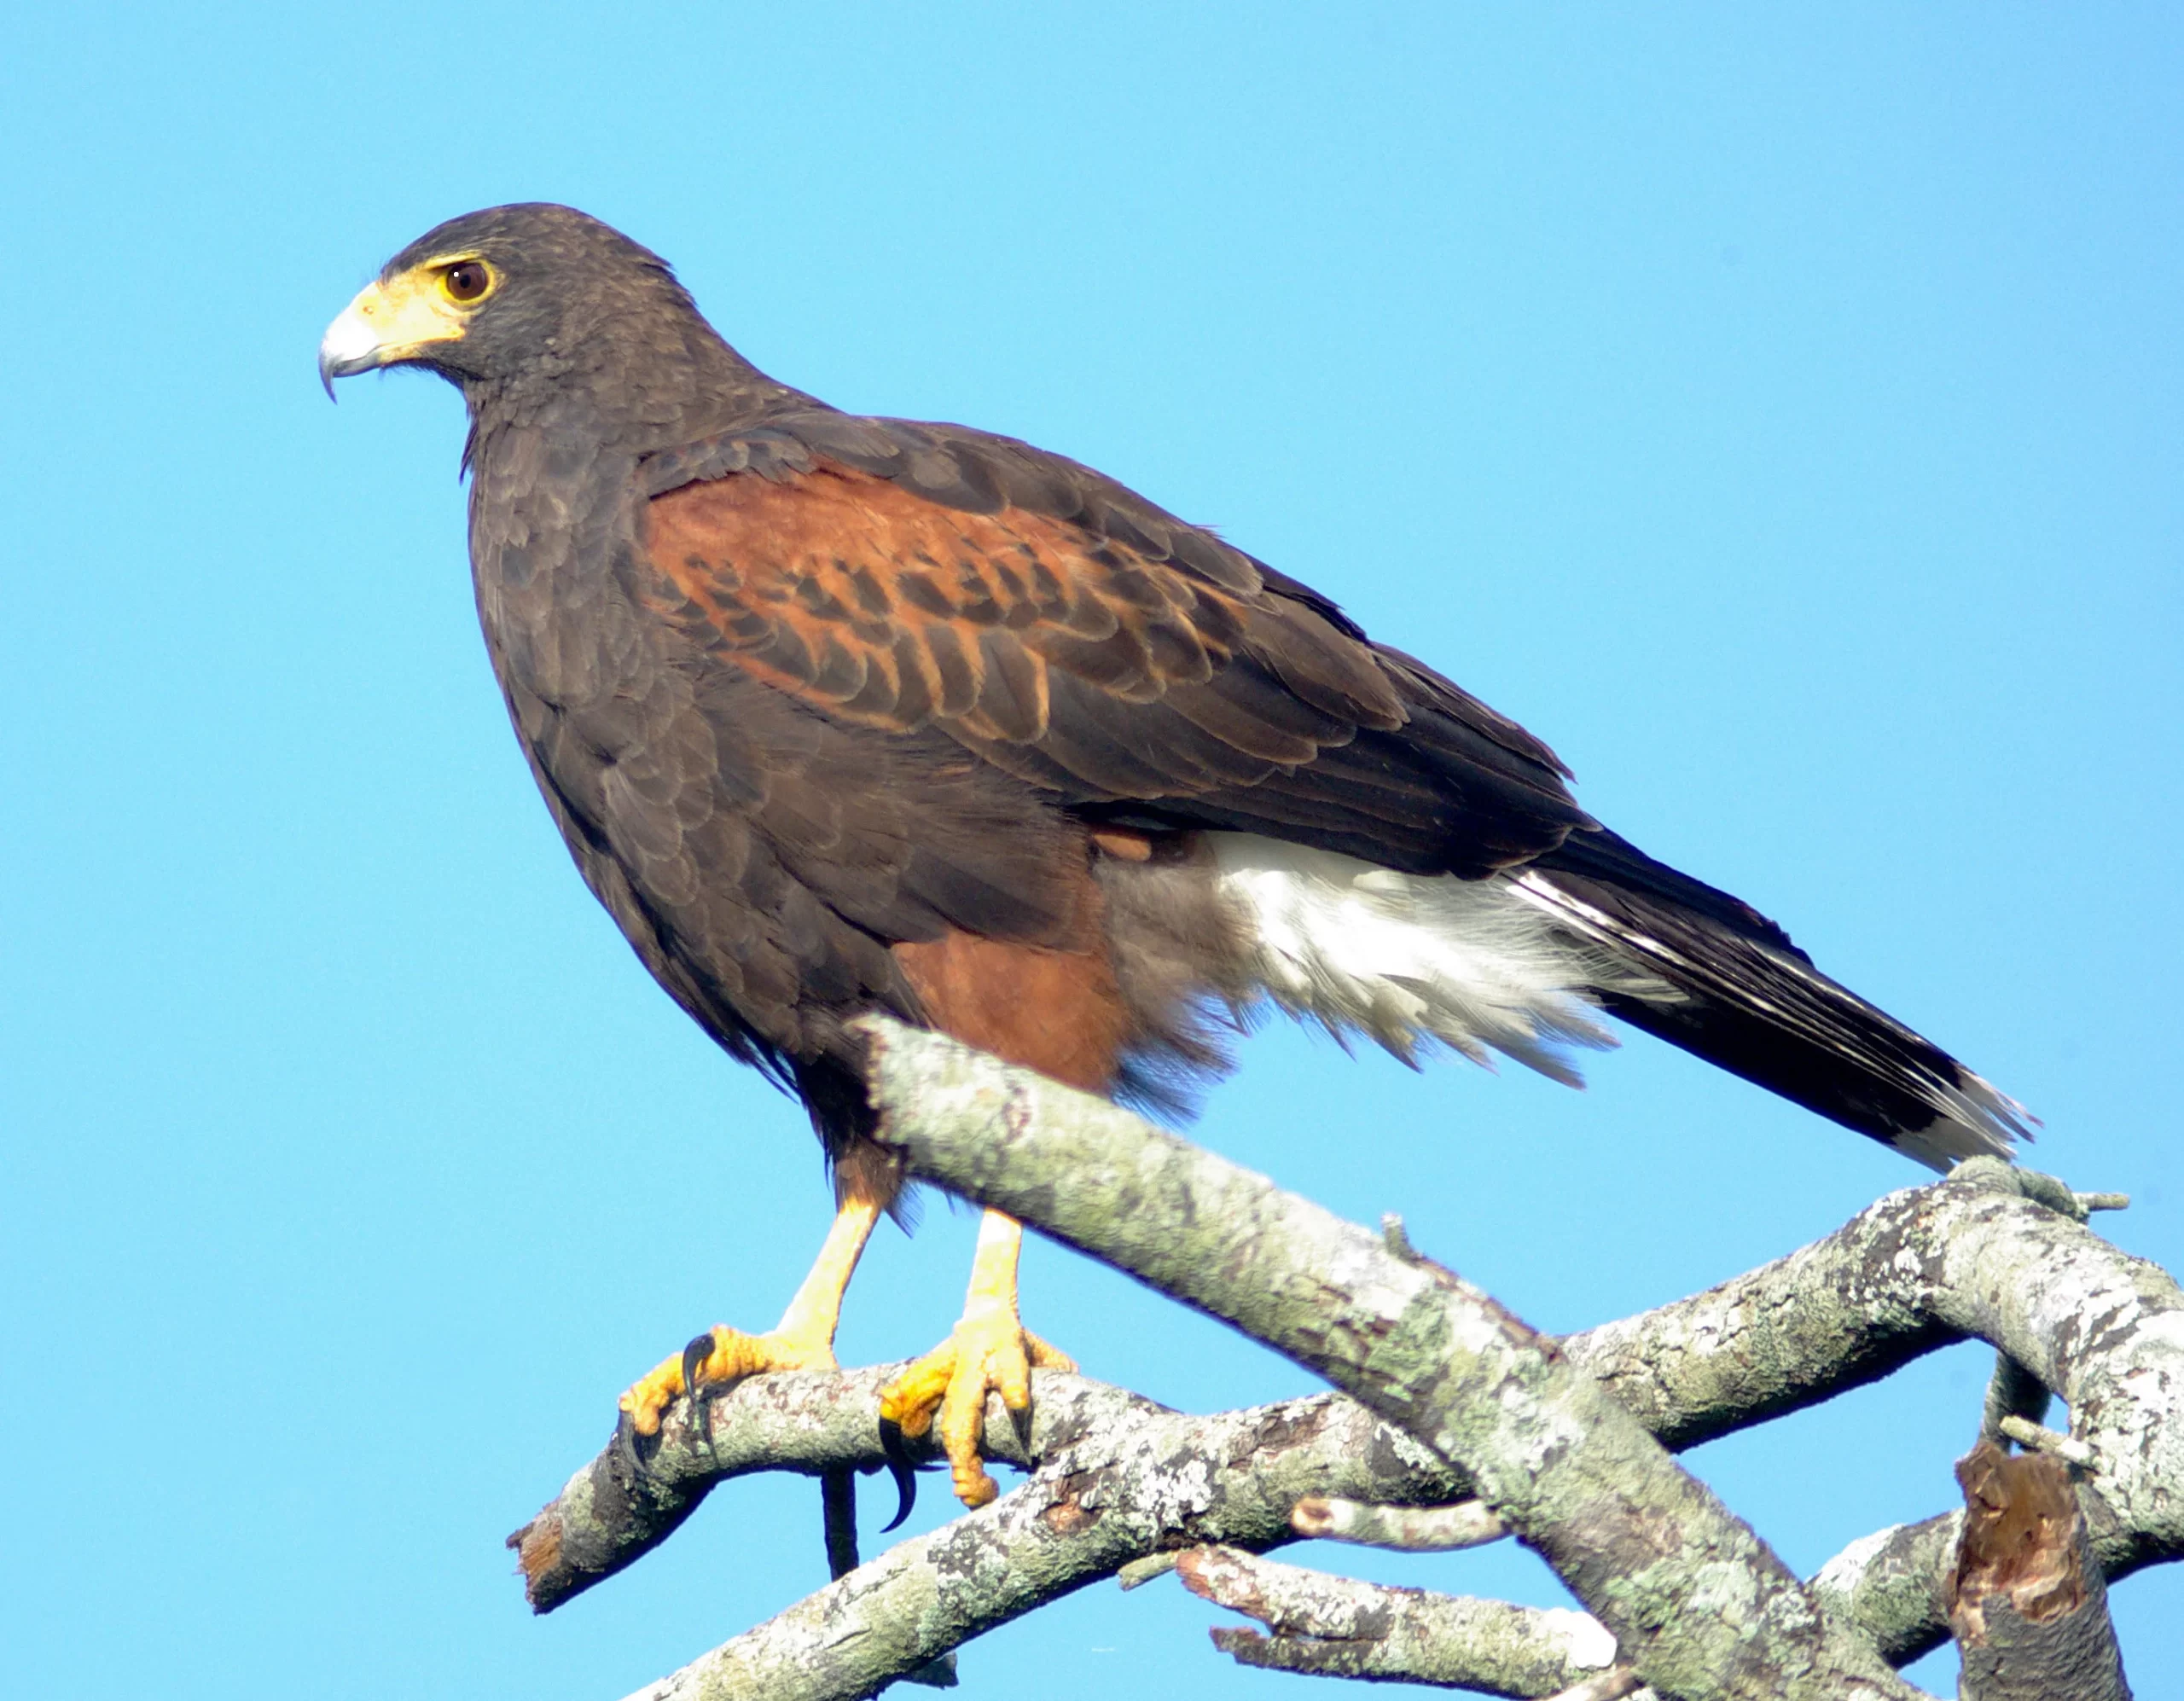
901,1467
693,1359
734,537
631,1443
945,1393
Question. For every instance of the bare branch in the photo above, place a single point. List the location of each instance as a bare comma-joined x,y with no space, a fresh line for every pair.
1121,1478
1635,1537
2014,1395
619,1507
1335,1627
1264,1467
1992,1251
2039,1438
1893,1585
1255,1465
2027,1602
1417,1530
1979,1255
1608,1686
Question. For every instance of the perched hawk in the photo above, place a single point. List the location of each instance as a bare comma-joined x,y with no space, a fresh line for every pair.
841,714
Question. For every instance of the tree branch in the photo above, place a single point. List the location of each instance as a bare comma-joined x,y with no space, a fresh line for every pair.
1635,1537
1120,1478
1261,1464
1252,1467
1414,1530
2027,1602
1336,1627
1992,1251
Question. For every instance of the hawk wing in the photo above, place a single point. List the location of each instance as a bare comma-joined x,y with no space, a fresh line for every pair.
909,579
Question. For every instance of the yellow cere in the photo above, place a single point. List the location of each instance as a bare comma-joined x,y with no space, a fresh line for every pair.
417,308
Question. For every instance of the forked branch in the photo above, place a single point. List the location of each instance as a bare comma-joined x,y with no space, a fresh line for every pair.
1991,1252
1548,1449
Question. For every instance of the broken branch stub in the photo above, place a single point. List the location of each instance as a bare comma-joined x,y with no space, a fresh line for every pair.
2027,1602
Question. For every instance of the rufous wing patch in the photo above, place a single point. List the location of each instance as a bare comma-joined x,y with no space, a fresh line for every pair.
893,610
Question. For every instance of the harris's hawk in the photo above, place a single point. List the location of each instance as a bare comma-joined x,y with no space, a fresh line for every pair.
840,715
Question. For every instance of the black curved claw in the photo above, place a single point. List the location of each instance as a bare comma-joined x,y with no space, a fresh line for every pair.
630,1444
901,1468
694,1355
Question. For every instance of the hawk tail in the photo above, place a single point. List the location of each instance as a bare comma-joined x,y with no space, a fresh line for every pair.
1733,990
1523,962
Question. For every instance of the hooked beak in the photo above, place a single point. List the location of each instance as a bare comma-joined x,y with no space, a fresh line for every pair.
390,321
352,343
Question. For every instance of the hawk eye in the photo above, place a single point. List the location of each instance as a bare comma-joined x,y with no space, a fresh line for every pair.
466,280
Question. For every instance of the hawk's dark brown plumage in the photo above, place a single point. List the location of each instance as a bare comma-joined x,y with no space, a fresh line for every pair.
811,694
840,715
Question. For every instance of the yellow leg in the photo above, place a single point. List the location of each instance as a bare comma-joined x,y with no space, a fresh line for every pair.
803,1341
988,1350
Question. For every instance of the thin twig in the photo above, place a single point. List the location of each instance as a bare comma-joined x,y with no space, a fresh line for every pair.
2041,1439
1338,1627
1419,1529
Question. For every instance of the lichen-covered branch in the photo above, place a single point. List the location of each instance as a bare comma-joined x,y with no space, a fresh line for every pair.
1893,1586
1412,1529
1993,1251
1318,1459
1982,1254
1336,1627
1699,1605
624,1504
1253,1466
1120,1478
1305,1455
1996,1253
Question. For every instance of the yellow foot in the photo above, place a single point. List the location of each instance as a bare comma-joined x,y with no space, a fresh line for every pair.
988,1352
718,1360
803,1341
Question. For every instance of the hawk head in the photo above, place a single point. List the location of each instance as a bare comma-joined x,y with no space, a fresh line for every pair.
528,291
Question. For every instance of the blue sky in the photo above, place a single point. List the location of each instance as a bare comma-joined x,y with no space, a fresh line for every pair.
1778,412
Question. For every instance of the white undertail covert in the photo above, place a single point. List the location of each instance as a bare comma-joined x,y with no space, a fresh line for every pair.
1415,959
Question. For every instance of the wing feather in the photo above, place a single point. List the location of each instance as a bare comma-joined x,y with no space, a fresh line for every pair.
912,578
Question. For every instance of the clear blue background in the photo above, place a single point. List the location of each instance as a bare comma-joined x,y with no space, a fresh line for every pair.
1778,413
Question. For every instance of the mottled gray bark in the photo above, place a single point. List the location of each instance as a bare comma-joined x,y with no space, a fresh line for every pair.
1120,1478
623,1504
1255,1465
1259,1466
1893,1585
1993,1252
1699,1607
1336,1627
1413,1529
